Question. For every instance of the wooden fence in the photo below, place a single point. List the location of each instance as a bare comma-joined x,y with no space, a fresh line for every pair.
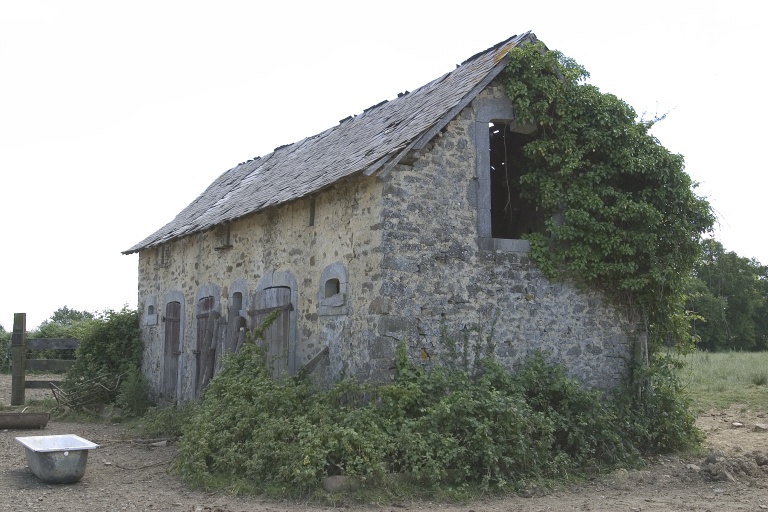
20,364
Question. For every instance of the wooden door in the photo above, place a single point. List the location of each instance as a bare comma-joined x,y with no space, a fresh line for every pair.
204,320
172,350
276,336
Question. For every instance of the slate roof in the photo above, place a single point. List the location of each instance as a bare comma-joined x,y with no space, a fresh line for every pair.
373,141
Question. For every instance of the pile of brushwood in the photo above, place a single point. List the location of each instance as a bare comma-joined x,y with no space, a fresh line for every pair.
446,428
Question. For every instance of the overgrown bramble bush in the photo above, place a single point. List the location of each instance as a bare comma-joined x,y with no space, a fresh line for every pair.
280,435
445,427
110,346
133,394
659,419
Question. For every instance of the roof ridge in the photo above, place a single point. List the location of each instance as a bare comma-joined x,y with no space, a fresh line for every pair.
495,47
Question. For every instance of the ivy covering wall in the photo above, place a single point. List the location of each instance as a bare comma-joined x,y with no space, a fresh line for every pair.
623,214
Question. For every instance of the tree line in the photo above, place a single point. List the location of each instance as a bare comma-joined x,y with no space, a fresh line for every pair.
727,300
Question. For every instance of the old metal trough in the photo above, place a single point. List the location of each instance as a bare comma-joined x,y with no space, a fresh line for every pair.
23,420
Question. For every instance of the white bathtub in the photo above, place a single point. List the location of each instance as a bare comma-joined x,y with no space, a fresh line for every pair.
57,459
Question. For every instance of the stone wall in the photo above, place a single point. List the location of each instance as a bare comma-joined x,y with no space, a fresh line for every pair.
278,244
438,285
404,257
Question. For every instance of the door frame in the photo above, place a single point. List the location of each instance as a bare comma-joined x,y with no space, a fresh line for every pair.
208,290
285,279
170,392
177,296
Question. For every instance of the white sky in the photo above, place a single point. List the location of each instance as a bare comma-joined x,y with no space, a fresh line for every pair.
116,115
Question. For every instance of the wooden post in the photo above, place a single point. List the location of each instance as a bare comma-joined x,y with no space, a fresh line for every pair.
18,357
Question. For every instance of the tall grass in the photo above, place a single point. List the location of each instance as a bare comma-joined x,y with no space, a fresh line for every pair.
718,380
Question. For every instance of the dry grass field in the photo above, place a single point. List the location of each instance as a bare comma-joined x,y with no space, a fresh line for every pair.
725,379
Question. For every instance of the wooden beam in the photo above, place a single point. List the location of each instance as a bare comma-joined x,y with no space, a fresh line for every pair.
52,344
49,365
18,356
310,366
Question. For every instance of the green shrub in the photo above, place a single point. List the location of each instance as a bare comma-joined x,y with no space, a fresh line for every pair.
658,417
472,429
164,421
587,428
444,428
133,394
110,349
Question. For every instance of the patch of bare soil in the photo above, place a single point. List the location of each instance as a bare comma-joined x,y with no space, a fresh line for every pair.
131,474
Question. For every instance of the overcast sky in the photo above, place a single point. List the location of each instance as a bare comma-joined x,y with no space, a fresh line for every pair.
115,115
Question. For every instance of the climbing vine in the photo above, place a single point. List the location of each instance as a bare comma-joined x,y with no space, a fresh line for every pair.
623,215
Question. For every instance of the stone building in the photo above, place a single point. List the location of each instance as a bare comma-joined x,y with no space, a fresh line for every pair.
402,223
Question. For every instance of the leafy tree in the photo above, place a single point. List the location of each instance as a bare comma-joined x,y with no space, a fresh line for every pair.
622,213
729,297
65,316
63,323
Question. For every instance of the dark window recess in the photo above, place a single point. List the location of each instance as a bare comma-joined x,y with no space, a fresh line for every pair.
312,201
163,256
223,237
512,216
332,287
151,310
237,302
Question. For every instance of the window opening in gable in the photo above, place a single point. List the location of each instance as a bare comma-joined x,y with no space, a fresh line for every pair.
151,310
312,201
332,287
512,216
163,256
222,235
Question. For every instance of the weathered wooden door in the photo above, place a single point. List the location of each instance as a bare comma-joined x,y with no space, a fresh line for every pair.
276,336
204,325
172,350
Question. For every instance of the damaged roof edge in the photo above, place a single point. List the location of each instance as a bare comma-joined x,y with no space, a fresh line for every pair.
379,139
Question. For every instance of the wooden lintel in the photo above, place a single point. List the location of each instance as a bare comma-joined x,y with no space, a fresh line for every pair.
284,307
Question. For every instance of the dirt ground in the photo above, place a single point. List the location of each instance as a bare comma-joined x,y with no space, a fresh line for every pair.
130,474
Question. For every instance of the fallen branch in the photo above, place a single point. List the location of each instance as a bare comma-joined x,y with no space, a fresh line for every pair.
163,463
